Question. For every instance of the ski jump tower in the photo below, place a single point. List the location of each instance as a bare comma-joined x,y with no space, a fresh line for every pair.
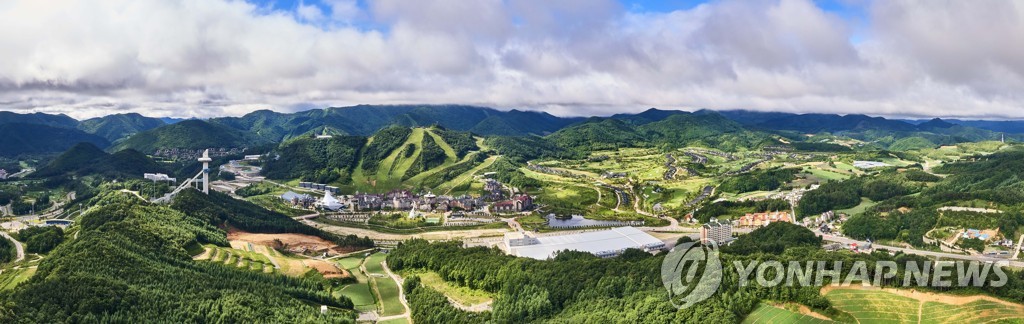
206,171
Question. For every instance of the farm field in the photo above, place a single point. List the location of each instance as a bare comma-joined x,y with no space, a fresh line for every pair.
767,314
900,306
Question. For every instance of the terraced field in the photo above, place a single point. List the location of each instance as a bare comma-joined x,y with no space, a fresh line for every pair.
892,306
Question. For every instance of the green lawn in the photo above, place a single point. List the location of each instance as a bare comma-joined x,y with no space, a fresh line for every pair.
360,292
390,305
860,208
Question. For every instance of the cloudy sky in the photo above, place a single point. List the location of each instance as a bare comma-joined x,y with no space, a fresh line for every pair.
202,58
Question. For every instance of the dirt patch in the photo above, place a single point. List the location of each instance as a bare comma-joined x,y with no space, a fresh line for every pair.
329,270
291,242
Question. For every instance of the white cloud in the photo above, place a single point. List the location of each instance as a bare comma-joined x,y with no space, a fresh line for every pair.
579,57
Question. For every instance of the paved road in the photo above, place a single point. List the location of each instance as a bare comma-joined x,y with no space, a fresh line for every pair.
981,258
17,246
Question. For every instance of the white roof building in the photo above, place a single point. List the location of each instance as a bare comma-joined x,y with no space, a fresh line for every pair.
607,243
329,202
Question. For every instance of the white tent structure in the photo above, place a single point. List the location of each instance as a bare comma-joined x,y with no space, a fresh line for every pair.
329,202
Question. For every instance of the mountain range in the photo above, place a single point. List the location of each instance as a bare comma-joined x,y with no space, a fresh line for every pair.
55,133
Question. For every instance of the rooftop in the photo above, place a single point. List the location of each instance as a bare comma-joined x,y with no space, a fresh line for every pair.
601,243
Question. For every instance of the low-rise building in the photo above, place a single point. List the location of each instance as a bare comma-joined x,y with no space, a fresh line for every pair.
607,243
763,219
158,177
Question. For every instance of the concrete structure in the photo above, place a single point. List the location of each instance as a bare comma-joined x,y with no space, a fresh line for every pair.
251,158
720,233
330,203
869,164
607,243
205,159
517,239
158,177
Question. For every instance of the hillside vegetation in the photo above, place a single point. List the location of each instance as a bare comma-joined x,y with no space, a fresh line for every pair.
188,134
129,263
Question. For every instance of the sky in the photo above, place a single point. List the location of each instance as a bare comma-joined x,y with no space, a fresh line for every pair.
206,58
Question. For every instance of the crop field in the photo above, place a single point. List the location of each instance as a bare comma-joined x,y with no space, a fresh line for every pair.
891,306
767,314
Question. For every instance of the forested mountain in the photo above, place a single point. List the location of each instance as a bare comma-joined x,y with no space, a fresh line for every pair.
189,134
598,134
365,120
17,139
64,121
318,160
656,128
131,262
392,157
87,159
115,127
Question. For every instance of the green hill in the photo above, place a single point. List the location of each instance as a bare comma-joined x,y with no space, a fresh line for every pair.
394,157
62,121
18,139
87,159
598,134
188,134
115,127
366,120
130,262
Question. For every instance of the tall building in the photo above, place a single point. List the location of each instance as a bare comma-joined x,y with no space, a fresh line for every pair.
205,159
720,233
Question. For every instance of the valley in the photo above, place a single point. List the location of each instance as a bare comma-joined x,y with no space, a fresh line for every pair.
362,222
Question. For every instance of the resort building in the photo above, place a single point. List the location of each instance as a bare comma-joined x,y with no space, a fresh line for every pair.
607,243
720,233
763,219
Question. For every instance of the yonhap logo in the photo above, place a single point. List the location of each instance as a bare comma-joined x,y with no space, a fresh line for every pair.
681,267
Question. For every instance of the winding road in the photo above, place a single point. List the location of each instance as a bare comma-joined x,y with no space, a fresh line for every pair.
17,246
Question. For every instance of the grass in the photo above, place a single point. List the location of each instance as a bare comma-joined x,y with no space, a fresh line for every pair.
874,306
460,180
360,292
463,295
386,287
859,209
10,278
771,314
395,321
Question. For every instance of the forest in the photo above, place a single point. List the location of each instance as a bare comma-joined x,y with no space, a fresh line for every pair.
758,181
129,264
40,240
315,160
